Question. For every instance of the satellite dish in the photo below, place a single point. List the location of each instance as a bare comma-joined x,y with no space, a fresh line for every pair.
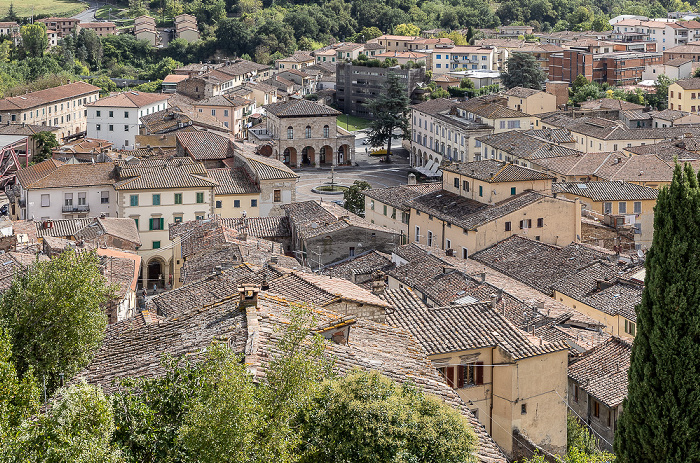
640,253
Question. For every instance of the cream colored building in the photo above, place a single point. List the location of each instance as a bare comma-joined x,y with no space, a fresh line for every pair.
684,95
621,203
230,110
514,384
484,202
387,206
393,43
156,193
531,101
63,106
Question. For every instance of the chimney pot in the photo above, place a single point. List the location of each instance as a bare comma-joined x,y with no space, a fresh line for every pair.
248,295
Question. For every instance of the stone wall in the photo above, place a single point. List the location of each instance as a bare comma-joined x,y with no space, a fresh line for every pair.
336,245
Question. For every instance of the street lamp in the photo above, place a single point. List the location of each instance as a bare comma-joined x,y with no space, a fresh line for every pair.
110,15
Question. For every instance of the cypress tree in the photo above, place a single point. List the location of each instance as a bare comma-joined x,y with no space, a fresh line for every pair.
660,421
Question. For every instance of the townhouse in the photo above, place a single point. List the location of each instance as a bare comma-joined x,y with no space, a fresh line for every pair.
388,207
483,202
530,101
438,133
509,379
392,43
156,193
232,111
62,26
598,385
684,95
52,190
618,203
208,81
522,148
145,29
64,107
186,27
102,28
117,117
446,59
298,60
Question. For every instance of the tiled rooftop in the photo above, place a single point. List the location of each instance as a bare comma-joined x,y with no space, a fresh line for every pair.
398,196
607,191
602,371
493,171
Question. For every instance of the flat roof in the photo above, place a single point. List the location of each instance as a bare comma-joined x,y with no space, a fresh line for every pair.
6,140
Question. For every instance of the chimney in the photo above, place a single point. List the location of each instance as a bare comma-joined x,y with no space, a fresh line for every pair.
378,287
494,300
482,277
217,270
248,296
603,284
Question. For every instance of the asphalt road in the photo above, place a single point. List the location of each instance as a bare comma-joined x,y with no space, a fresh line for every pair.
379,176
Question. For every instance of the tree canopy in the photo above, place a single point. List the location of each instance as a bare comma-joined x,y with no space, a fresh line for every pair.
659,422
523,71
354,200
389,113
53,313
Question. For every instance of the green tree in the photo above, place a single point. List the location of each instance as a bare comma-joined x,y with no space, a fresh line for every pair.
659,422
19,399
390,112
105,83
34,39
354,200
366,417
523,71
466,83
53,312
45,143
367,33
659,99
77,428
232,419
11,14
407,30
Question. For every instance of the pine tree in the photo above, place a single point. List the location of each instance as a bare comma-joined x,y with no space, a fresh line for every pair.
523,71
661,417
390,112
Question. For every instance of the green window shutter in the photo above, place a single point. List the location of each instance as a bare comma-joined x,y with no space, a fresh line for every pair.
137,223
150,224
161,223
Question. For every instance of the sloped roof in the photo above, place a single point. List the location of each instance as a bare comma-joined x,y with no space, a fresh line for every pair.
42,97
179,172
397,196
232,181
493,171
607,191
602,371
74,175
29,175
205,145
135,349
299,108
120,227
444,330
130,100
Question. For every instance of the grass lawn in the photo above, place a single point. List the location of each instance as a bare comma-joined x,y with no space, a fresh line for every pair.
103,12
353,122
60,8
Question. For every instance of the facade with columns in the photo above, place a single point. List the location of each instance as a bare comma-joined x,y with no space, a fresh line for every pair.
303,133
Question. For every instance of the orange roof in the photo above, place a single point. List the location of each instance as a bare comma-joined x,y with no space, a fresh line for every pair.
130,100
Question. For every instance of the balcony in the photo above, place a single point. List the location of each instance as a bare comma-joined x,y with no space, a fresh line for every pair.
68,209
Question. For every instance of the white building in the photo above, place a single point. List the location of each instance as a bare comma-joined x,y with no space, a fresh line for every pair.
449,59
116,118
51,190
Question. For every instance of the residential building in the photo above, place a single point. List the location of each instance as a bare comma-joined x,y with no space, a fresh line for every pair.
597,387
208,81
51,190
674,117
684,95
358,85
102,28
618,203
323,233
676,69
510,379
63,107
161,128
63,26
614,68
230,110
186,27
303,133
601,292
11,29
170,82
156,193
444,60
483,202
521,148
349,51
531,101
438,133
402,58
689,51
117,117
263,93
392,43
307,82
515,31
388,207
145,29
325,56
298,60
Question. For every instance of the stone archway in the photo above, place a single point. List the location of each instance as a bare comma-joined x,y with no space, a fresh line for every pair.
419,158
425,158
308,156
325,155
289,156
344,155
155,272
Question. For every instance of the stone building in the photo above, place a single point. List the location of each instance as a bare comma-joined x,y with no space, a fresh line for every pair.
598,385
303,133
323,233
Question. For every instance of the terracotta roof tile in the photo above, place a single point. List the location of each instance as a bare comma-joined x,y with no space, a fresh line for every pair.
607,191
130,100
602,371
